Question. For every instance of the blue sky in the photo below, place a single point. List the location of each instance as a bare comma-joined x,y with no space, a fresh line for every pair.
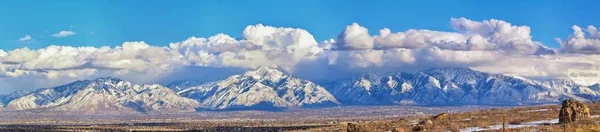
112,22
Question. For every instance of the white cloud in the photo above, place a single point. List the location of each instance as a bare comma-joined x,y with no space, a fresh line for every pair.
580,42
471,35
261,46
491,45
63,34
26,38
354,37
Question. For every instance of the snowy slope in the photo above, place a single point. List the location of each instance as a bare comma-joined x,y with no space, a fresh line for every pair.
591,92
264,88
182,84
103,95
5,99
444,86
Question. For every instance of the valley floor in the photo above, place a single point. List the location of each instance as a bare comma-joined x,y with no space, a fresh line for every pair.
221,120
373,118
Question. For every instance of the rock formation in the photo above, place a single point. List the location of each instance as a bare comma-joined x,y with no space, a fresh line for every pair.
426,122
419,128
572,111
354,127
397,130
440,116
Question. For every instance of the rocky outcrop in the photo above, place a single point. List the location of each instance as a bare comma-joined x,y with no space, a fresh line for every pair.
572,111
353,127
419,128
397,130
426,122
440,116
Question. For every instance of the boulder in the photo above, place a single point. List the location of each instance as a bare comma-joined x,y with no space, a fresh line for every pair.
426,122
419,128
440,116
354,127
572,110
397,130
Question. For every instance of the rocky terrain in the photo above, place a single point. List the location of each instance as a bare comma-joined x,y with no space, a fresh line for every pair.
572,110
368,118
531,118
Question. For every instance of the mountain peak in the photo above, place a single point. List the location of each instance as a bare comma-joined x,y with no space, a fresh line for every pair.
182,84
450,72
263,71
262,88
266,68
106,94
108,79
447,70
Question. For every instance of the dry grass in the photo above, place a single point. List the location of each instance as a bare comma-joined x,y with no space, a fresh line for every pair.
452,122
485,118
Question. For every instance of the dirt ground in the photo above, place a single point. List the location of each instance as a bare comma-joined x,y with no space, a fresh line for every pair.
452,121
483,119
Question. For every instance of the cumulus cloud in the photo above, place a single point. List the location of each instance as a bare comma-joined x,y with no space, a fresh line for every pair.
260,46
26,38
354,37
491,34
580,42
474,43
490,45
63,34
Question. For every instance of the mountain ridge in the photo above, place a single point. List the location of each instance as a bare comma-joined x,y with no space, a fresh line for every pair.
264,87
439,86
102,95
271,89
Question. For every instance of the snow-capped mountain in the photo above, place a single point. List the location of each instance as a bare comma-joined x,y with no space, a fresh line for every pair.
183,84
270,89
103,95
446,86
264,88
591,92
5,99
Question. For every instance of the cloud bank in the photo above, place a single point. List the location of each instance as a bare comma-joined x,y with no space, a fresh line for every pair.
491,45
580,42
488,35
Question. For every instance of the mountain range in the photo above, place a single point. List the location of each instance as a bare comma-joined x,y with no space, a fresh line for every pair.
451,86
102,95
270,89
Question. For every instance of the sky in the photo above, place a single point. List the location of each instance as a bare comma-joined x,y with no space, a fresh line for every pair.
112,22
50,43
